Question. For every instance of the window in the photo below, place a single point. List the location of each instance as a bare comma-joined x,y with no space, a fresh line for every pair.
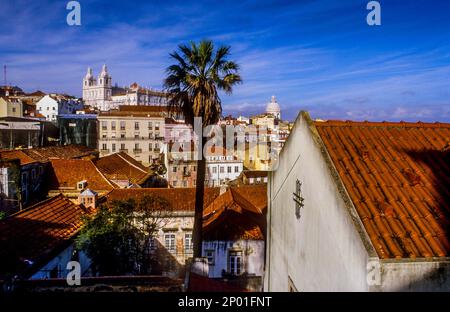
104,147
33,174
214,169
113,125
122,125
169,241
229,169
157,126
150,125
188,244
184,183
193,168
104,125
235,262
236,169
150,146
136,136
113,147
103,136
13,109
210,255
136,125
174,169
122,146
136,146
222,169
174,183
122,136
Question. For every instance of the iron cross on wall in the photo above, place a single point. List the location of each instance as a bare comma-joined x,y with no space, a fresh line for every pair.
298,198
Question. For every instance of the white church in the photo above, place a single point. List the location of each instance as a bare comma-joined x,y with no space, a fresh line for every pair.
99,92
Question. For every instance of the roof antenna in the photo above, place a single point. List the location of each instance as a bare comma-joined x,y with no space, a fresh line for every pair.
4,74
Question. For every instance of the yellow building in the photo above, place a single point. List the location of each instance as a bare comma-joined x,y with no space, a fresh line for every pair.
10,107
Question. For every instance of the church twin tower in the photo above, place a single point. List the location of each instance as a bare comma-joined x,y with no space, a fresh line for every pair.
97,90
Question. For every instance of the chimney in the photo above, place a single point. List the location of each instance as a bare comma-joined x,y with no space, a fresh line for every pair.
88,198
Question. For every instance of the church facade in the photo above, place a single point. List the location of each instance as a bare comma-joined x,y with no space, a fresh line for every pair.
101,94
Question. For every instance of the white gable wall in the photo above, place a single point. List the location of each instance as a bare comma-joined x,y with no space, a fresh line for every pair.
321,251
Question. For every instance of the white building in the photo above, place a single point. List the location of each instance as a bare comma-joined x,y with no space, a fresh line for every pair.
348,210
53,105
233,235
221,167
99,92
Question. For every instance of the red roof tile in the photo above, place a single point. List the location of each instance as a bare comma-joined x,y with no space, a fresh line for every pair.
398,177
182,199
37,232
60,152
66,173
17,154
120,166
237,214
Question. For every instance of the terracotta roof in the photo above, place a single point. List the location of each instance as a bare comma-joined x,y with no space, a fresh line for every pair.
198,283
17,154
66,173
182,199
36,233
60,152
237,214
143,108
255,173
138,111
120,166
398,177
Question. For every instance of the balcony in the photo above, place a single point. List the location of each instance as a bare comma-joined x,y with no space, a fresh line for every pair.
125,150
157,150
137,150
104,150
186,174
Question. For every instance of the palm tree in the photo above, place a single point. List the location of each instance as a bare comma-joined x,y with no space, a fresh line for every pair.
193,84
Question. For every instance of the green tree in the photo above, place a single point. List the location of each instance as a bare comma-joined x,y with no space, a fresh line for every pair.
193,84
117,238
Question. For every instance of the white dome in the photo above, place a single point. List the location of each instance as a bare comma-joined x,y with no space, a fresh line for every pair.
273,107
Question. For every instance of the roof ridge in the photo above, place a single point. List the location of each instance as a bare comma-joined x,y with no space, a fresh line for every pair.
118,154
240,197
406,124
101,174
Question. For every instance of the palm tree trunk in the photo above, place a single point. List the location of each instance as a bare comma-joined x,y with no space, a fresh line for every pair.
199,199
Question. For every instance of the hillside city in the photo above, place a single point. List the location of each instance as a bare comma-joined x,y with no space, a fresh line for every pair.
63,157
106,185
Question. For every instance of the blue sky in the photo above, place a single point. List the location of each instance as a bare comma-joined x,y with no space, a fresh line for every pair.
319,56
